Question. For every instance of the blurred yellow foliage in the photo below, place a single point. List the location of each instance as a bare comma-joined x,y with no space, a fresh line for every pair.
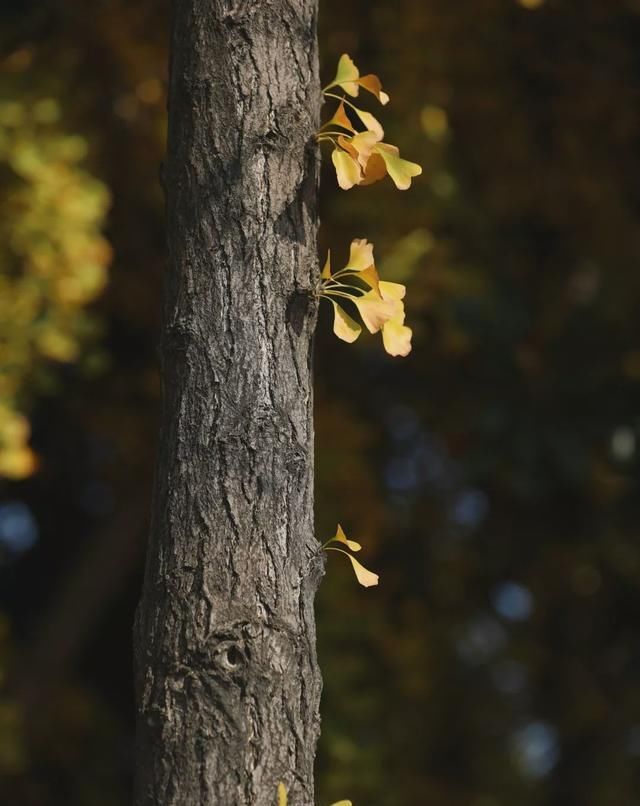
53,257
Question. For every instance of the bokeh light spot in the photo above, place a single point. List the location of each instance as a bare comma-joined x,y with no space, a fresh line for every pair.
18,527
150,91
470,508
435,122
512,601
535,749
623,443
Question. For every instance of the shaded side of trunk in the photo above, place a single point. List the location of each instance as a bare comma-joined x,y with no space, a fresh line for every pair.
227,682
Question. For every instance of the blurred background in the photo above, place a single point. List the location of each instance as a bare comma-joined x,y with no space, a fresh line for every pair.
492,476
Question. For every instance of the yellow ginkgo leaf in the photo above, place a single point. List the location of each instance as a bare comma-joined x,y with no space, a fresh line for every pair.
365,577
372,83
340,537
371,123
282,794
342,803
326,271
360,255
374,310
360,146
344,326
370,276
374,170
340,119
391,291
401,171
345,143
364,143
347,76
396,338
347,169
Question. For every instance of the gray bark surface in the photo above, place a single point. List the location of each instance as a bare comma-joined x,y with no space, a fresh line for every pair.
227,681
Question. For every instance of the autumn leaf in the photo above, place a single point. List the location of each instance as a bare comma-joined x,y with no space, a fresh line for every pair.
282,794
360,255
365,577
347,169
376,160
370,277
392,291
361,263
374,170
371,123
401,171
374,310
326,271
340,537
362,144
347,76
344,326
396,338
349,79
373,84
340,119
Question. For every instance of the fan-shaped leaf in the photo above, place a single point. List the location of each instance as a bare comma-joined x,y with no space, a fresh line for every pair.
360,255
373,84
347,169
401,171
396,338
344,326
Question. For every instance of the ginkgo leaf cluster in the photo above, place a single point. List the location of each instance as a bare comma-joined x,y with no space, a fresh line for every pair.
365,577
378,302
359,156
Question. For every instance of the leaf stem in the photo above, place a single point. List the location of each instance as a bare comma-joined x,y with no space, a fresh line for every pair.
326,136
331,293
333,548
344,101
332,283
338,134
345,270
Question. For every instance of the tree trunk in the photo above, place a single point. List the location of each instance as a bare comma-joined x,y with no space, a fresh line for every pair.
227,681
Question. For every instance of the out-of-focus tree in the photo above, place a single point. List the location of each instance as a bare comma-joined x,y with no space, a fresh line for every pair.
53,256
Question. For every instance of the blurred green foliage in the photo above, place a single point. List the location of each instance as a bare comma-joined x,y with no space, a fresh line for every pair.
491,476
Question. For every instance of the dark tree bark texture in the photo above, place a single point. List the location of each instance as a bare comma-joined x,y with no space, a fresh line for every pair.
227,682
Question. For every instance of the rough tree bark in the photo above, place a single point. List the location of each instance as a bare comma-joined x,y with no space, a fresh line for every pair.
227,682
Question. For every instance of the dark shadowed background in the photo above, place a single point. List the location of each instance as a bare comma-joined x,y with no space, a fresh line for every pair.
492,475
